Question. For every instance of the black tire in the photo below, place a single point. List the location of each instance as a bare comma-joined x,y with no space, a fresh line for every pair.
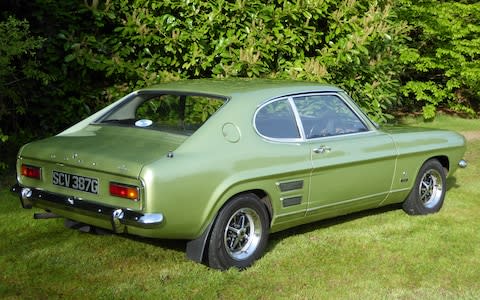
428,193
240,233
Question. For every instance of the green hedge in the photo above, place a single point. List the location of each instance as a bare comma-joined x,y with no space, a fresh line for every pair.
77,56
355,44
443,58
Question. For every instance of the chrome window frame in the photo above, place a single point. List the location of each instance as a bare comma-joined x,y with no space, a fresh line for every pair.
289,99
358,113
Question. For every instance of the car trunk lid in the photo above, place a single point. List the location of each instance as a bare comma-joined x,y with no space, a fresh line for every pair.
85,164
112,149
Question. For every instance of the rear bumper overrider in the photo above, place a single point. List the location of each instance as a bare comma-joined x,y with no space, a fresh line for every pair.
119,217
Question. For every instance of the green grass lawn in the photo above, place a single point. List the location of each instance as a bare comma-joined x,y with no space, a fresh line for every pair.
374,255
444,121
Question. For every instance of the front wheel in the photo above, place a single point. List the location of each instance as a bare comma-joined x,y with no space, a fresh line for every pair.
428,193
240,233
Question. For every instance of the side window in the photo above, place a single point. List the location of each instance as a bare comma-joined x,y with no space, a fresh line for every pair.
277,120
327,115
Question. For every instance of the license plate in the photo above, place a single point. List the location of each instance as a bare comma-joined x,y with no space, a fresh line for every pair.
76,182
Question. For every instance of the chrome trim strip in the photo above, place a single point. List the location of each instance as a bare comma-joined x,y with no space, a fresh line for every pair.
298,119
313,209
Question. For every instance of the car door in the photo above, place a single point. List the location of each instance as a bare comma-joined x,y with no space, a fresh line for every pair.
352,162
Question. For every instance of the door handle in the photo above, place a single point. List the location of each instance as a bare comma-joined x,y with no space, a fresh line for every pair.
322,149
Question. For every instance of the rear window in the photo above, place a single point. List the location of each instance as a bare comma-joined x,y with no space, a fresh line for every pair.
176,113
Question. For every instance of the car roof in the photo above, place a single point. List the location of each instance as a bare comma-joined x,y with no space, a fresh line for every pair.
242,87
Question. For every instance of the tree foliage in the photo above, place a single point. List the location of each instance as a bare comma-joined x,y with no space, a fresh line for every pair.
19,68
443,58
352,43
62,60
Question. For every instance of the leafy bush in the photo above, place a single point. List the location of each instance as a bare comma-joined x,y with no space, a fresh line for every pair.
40,94
443,65
352,43
18,68
78,56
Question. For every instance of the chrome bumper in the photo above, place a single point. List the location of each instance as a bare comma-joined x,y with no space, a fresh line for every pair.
118,217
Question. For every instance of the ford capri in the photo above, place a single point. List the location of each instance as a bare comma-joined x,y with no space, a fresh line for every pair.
224,163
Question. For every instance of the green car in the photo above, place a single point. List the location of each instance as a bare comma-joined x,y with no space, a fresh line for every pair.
224,163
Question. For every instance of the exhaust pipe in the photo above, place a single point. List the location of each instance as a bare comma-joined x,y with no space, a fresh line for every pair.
45,215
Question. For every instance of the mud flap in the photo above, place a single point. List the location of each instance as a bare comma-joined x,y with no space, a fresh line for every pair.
196,248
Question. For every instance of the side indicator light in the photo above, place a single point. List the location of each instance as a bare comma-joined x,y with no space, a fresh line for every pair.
31,171
124,191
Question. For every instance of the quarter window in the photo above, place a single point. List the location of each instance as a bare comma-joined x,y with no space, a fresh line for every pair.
277,120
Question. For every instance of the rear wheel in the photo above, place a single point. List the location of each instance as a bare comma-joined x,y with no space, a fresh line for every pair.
428,193
240,233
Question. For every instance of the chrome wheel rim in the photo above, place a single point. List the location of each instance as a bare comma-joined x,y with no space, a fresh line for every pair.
242,233
431,188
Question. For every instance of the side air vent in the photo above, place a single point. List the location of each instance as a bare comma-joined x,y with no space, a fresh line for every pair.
286,202
290,186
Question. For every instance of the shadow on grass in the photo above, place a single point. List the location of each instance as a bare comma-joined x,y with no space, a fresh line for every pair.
275,238
175,245
170,244
452,183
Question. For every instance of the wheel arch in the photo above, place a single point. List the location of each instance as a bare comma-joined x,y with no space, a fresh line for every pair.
262,195
428,197
444,161
264,198
197,249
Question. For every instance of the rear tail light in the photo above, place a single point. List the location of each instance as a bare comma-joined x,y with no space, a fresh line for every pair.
124,191
31,171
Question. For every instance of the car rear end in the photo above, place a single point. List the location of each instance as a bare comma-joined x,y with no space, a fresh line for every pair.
93,176
92,172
